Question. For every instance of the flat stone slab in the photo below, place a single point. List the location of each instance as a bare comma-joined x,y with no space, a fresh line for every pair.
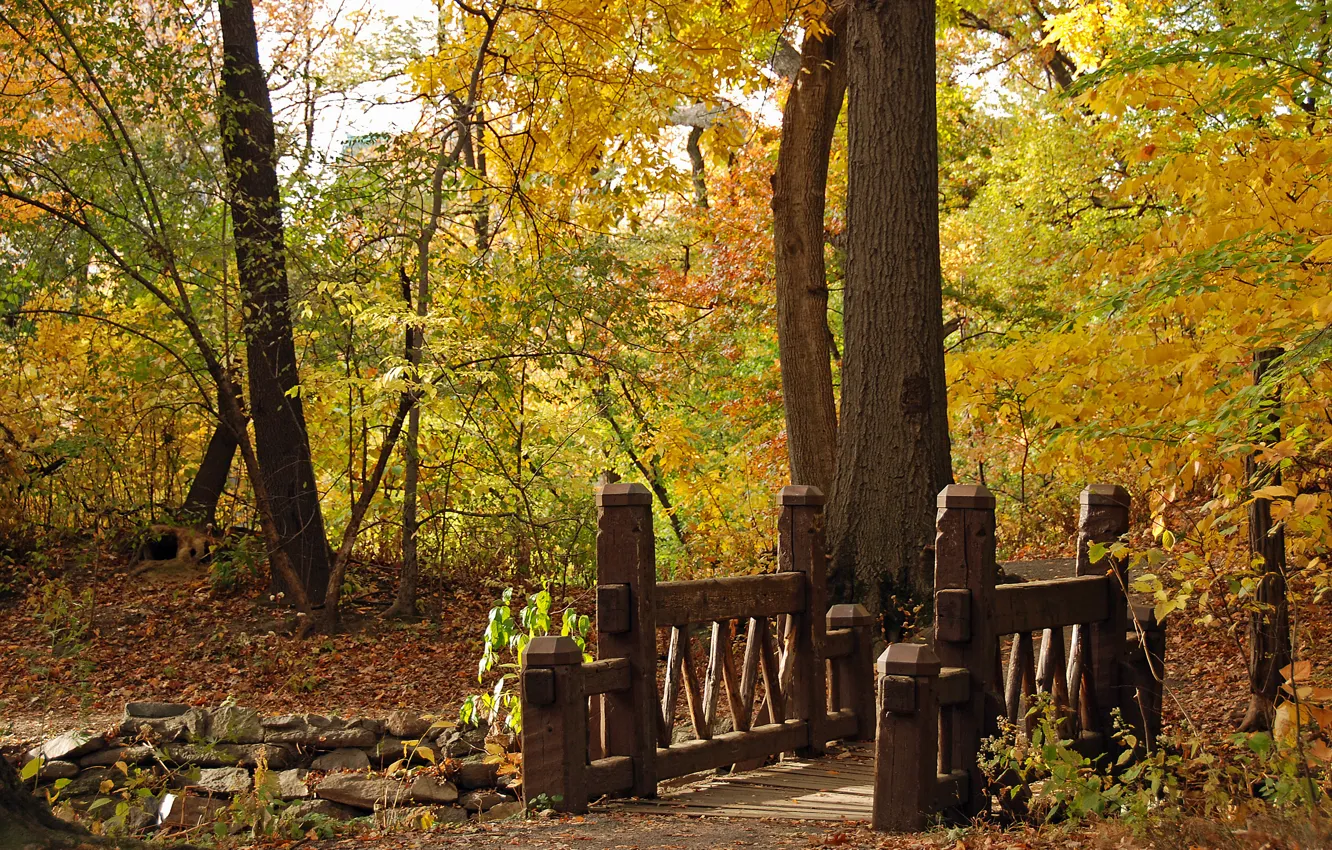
363,791
428,789
224,780
346,758
68,746
155,710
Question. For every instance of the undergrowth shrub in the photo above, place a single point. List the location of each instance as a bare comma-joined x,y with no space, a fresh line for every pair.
504,641
1040,777
63,616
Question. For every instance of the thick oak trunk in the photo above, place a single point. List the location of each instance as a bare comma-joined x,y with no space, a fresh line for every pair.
893,449
26,821
282,442
799,189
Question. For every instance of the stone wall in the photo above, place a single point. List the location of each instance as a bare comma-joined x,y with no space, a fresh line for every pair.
197,762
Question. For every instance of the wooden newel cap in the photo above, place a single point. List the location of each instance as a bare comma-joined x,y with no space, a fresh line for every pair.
616,495
908,659
800,494
1105,494
845,616
552,651
973,496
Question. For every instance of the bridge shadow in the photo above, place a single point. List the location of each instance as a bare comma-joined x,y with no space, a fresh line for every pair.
837,787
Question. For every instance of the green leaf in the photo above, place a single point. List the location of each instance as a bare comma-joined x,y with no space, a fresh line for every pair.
31,769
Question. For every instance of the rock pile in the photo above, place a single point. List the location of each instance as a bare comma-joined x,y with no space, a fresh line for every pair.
195,761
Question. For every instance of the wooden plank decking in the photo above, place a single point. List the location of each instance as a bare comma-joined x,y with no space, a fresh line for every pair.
839,787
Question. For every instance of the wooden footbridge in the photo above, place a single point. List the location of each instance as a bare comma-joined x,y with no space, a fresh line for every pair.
803,676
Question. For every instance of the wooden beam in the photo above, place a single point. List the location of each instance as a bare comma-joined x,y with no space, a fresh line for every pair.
671,687
723,750
954,686
697,715
612,775
841,643
707,600
750,673
606,676
1035,605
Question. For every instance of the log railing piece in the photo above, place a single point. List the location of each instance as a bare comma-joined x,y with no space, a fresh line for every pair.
712,599
954,686
1035,605
712,681
771,672
730,748
734,688
609,776
697,715
670,695
606,676
1019,662
841,642
749,675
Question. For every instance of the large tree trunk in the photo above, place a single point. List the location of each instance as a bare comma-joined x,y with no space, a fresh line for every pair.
282,443
893,450
26,821
799,189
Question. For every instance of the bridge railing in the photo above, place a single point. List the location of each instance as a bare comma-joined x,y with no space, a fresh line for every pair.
936,704
805,675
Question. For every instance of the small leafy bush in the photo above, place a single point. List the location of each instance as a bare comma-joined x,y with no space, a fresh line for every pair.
64,617
504,641
1040,777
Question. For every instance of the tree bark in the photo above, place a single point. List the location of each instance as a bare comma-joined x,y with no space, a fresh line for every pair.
200,506
799,190
282,441
404,604
1269,623
893,450
26,821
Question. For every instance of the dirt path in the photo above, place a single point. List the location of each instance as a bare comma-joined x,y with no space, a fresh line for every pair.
634,832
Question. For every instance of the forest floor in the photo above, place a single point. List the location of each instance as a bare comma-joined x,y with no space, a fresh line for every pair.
181,640
669,832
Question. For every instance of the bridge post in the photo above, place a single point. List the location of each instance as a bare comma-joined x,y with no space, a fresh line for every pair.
554,723
964,579
1103,518
906,754
800,548
626,628
854,675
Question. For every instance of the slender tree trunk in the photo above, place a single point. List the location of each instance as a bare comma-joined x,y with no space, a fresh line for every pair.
799,189
893,449
404,605
200,505
281,438
697,166
1269,624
